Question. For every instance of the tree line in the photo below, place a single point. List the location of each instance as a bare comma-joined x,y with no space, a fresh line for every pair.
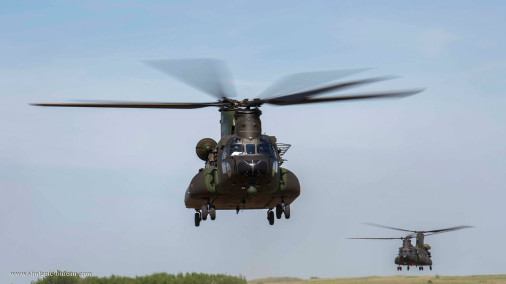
157,278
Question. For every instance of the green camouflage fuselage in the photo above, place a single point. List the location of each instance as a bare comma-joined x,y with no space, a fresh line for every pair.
243,170
418,255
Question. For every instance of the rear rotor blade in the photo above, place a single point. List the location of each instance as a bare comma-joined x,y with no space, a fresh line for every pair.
432,232
134,105
345,98
210,76
334,87
295,83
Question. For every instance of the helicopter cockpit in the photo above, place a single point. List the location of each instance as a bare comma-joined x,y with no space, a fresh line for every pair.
260,146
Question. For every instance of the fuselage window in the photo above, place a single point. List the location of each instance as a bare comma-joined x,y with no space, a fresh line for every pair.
224,155
236,149
250,149
264,149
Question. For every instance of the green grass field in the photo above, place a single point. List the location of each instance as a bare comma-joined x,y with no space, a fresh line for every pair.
389,279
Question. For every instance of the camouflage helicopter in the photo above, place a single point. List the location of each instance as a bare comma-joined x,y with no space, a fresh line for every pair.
243,169
409,255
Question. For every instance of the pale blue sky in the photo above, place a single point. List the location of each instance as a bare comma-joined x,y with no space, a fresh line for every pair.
102,190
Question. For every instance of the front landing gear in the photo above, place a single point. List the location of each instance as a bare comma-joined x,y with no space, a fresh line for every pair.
212,212
283,208
205,210
399,268
430,267
287,211
279,211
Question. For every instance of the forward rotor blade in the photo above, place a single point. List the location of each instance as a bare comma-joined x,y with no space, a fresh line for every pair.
334,87
134,105
298,82
446,230
210,76
387,227
375,238
275,101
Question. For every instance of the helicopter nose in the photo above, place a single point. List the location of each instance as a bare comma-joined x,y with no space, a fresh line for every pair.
252,167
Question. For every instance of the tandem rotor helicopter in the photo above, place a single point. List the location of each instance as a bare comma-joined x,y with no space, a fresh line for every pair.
409,255
243,169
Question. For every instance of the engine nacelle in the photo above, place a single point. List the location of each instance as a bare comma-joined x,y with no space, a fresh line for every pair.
204,148
426,246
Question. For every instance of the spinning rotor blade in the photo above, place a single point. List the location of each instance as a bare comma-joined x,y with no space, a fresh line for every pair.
298,96
210,76
134,105
432,232
275,101
392,228
375,238
298,82
445,230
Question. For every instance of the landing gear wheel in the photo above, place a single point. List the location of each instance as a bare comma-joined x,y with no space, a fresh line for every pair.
279,211
287,211
430,267
212,213
408,268
204,212
197,219
399,268
270,217
421,268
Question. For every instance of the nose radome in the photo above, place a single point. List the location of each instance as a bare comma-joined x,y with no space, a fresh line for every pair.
252,167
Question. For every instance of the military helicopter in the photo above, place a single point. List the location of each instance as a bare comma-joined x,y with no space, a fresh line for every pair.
409,255
243,169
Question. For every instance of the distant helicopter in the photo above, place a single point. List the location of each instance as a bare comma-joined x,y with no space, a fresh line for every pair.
243,170
409,255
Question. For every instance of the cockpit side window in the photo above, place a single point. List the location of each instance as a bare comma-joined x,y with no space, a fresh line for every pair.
236,149
250,149
263,140
274,152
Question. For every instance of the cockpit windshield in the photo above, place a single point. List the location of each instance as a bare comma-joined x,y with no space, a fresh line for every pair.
250,149
265,149
236,149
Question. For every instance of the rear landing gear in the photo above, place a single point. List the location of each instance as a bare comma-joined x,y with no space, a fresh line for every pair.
408,267
270,217
430,267
399,268
420,268
212,212
197,219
